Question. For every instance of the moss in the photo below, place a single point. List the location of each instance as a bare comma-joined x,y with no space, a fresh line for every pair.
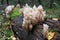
14,13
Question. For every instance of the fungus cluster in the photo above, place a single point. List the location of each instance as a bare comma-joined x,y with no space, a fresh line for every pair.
8,9
32,15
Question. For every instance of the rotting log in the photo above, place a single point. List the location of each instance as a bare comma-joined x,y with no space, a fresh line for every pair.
52,22
36,32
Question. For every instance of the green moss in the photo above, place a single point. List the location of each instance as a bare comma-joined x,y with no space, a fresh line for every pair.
6,23
14,13
46,17
52,30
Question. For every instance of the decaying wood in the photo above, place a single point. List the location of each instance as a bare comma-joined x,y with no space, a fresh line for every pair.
52,22
36,33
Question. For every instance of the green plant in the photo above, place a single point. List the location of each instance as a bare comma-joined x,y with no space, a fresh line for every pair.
15,13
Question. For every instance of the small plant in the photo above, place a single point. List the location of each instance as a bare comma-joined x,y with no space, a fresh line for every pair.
15,13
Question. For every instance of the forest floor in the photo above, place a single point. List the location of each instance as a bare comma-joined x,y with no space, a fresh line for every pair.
5,32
